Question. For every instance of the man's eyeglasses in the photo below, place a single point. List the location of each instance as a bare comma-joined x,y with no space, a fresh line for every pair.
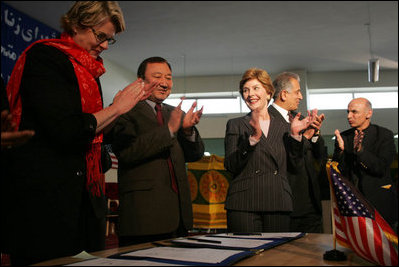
102,37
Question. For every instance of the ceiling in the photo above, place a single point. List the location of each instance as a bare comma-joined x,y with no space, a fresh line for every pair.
228,37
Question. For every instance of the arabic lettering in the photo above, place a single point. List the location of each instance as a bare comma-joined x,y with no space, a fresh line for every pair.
9,53
19,28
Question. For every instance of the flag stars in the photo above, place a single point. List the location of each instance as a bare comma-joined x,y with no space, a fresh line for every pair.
353,215
348,203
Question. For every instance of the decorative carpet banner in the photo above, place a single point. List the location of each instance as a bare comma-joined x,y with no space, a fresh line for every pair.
209,182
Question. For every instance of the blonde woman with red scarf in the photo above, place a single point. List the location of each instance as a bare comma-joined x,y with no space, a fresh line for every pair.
53,198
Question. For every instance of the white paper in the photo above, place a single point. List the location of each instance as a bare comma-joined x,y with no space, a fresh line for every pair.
119,262
261,235
201,255
84,255
225,242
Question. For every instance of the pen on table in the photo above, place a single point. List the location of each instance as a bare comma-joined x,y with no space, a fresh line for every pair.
205,240
247,233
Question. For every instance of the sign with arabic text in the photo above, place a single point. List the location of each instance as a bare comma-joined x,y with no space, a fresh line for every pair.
18,31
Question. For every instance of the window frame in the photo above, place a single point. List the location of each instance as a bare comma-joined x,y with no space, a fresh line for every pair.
355,93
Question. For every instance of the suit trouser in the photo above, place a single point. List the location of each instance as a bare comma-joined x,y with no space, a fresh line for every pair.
139,239
247,221
309,223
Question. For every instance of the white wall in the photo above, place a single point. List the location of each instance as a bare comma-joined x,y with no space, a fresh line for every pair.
213,126
114,79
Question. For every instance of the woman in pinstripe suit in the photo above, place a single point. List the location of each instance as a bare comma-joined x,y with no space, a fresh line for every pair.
259,197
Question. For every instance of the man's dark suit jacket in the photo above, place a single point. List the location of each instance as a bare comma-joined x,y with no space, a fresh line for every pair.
306,183
370,168
148,205
259,172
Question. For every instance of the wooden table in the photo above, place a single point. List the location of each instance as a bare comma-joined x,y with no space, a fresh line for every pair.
305,251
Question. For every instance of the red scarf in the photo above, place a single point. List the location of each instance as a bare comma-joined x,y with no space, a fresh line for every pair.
86,70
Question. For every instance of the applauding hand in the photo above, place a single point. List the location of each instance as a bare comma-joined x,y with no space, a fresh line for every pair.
191,119
127,98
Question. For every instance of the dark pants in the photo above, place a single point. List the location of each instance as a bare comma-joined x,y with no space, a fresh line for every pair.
132,240
310,223
244,221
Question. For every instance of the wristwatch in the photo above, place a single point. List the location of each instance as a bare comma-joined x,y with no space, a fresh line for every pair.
317,133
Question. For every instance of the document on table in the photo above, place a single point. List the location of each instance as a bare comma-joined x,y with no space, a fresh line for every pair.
221,242
199,255
259,235
119,262
84,255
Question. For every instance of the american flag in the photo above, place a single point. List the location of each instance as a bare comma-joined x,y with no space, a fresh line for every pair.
114,160
358,225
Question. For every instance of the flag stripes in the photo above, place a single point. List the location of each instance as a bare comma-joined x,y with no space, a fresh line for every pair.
358,225
114,160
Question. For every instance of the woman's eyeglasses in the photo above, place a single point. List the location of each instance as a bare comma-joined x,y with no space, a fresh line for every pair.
102,37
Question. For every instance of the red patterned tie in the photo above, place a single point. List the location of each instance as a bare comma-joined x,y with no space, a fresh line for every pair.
158,108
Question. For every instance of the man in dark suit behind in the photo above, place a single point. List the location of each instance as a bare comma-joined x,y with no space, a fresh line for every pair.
152,143
365,153
308,183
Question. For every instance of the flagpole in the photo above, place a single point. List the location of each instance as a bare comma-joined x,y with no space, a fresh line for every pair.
332,219
333,255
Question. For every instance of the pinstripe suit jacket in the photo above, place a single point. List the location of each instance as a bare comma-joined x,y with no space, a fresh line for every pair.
306,184
148,206
259,172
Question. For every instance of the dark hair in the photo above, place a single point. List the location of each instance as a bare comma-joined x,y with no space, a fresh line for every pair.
283,82
143,65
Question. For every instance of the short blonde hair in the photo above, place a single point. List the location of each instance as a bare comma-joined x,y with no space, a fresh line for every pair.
86,14
261,75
